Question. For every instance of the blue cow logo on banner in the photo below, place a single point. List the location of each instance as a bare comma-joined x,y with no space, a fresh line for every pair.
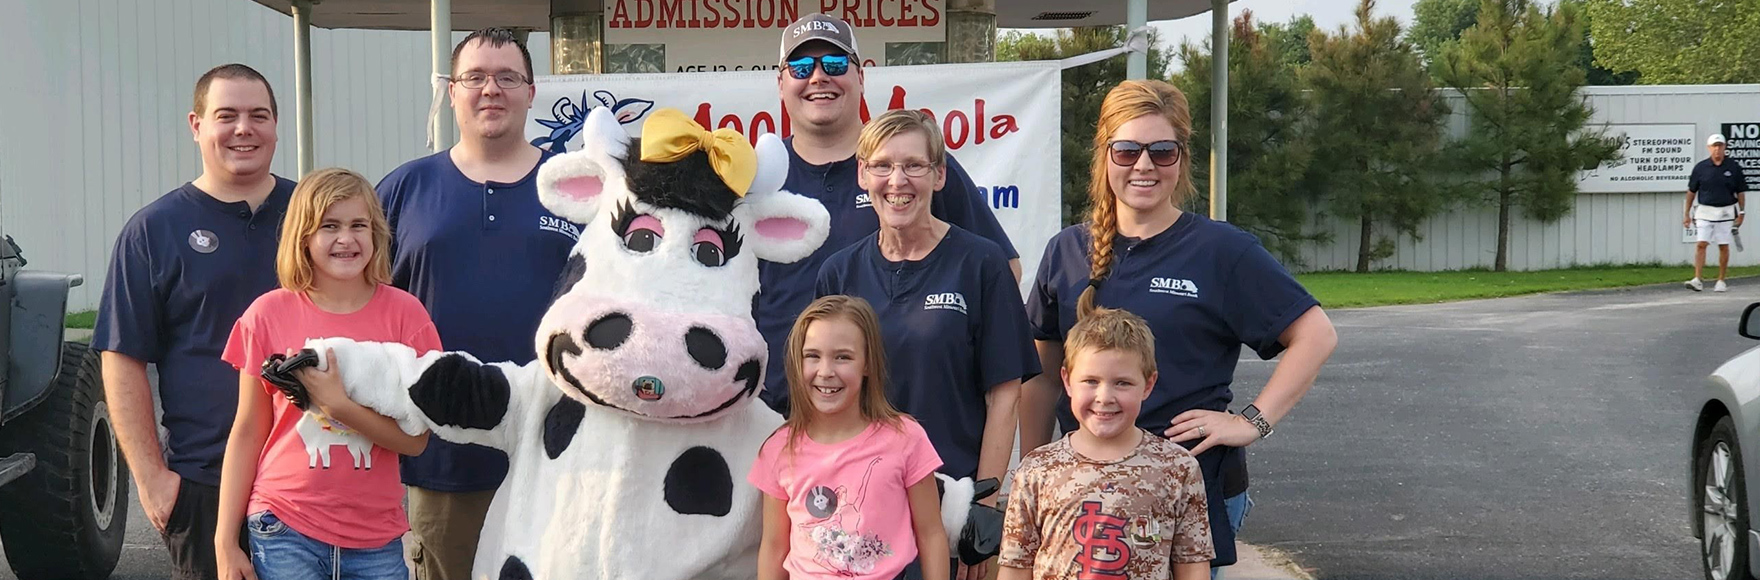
567,117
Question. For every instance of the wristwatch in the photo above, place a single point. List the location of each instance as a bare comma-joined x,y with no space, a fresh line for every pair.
1252,415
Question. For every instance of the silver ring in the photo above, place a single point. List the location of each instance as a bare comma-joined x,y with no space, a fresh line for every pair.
1200,430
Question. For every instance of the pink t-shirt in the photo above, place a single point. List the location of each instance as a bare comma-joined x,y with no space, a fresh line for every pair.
848,503
325,481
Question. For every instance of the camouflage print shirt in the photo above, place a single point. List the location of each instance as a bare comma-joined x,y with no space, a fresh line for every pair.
1074,518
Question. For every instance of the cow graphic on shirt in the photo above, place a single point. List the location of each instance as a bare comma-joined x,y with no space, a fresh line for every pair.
320,434
624,435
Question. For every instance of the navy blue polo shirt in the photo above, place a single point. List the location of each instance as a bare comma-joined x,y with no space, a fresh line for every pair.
954,327
1717,184
1205,288
184,268
786,289
484,259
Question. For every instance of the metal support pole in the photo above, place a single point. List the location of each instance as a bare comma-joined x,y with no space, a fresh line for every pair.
1136,13
440,31
302,84
1219,31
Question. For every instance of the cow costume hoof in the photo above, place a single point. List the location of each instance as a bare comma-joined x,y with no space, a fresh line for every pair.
630,433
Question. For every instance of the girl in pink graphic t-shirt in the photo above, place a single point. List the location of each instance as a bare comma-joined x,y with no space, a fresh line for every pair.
316,492
849,482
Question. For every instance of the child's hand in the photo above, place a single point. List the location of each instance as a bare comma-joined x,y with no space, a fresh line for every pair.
234,564
324,386
978,572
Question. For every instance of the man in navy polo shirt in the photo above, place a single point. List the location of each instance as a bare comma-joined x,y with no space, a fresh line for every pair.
184,269
821,84
472,242
1719,189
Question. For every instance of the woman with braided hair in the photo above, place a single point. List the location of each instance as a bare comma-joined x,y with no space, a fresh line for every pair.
1206,288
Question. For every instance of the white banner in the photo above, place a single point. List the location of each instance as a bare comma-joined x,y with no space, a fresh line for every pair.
1654,158
1001,121
732,35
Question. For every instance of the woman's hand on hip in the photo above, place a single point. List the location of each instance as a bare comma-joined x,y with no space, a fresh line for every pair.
1212,428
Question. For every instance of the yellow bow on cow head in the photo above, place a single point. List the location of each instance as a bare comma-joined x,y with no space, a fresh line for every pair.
669,136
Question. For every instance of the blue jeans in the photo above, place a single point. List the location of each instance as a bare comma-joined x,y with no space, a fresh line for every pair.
280,553
1238,506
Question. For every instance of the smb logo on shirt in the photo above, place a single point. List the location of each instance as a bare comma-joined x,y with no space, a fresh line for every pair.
1174,286
945,301
559,225
864,200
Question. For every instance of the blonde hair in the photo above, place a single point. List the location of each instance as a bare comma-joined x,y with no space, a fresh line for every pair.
305,213
898,122
1111,329
873,404
1127,102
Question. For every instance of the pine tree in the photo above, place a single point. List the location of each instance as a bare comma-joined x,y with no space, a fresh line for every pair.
1518,69
1268,152
1678,41
1378,129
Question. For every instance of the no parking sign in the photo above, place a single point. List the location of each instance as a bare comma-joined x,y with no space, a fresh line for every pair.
1743,145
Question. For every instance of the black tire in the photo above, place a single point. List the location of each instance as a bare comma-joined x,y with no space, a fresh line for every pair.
66,518
1721,498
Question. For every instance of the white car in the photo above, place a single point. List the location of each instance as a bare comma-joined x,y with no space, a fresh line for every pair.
1723,517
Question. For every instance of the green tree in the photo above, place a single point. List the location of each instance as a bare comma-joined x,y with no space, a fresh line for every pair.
1288,40
1381,120
1678,41
1436,23
1267,148
1526,140
1598,75
1084,87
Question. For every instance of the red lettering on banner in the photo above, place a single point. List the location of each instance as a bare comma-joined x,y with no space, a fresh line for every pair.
732,121
884,21
791,11
732,18
905,19
934,16
620,16
849,12
669,13
644,14
973,127
749,12
762,123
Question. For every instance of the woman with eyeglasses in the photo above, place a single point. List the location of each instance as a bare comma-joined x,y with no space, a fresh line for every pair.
950,311
1205,287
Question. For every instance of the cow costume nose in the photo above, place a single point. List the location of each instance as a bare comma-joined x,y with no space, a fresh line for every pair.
609,331
705,348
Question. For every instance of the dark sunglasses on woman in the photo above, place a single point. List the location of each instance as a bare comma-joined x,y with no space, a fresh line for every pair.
1162,153
834,65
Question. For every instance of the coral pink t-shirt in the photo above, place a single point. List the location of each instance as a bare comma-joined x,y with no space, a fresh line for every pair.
325,481
848,503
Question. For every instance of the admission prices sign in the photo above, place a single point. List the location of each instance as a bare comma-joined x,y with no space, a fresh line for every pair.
999,119
1654,158
1743,145
732,35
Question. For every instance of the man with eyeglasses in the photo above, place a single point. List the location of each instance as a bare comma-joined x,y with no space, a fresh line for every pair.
821,85
471,240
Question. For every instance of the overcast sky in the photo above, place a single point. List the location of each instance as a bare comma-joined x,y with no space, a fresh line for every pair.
1328,14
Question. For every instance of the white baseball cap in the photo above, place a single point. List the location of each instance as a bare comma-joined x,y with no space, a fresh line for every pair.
1714,139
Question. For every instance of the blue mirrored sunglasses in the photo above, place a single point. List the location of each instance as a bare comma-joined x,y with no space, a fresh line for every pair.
833,64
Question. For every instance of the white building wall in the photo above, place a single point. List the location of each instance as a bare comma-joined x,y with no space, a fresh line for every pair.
1603,228
96,94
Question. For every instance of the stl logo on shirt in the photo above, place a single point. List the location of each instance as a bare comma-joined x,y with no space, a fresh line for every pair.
1104,553
1174,286
945,301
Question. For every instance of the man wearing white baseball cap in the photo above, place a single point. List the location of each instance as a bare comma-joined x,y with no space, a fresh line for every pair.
1715,208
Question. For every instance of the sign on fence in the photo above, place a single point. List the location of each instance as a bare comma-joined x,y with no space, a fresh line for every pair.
1000,120
1653,158
734,35
1742,143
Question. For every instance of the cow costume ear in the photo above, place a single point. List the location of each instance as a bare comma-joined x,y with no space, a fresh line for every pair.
572,184
782,227
772,164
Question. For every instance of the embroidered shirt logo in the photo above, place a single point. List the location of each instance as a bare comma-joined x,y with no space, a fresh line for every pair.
559,225
1174,286
864,200
945,301
204,241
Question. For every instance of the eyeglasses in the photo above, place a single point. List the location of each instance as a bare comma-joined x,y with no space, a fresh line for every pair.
911,169
477,80
834,65
1161,153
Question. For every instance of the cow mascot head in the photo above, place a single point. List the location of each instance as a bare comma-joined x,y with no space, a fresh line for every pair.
654,313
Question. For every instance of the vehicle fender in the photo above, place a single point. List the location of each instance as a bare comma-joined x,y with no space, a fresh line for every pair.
39,313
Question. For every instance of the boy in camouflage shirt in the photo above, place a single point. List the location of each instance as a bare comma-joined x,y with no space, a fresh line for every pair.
1108,500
